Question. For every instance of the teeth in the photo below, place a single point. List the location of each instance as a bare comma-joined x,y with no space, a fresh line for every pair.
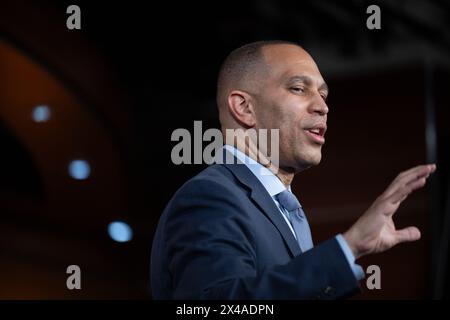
316,131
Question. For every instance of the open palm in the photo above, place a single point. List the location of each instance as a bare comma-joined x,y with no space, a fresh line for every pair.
375,230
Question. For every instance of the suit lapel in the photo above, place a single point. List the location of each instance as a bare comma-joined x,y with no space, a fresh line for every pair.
265,202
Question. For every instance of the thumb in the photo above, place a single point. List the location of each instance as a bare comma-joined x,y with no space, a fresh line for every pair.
407,234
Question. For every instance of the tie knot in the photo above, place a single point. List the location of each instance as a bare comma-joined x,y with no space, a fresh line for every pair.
288,200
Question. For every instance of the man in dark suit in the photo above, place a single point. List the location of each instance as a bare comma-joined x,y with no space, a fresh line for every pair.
236,231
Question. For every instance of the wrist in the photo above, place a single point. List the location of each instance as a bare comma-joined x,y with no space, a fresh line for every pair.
352,244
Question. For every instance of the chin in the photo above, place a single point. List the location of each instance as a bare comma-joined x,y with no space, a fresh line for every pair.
309,160
316,159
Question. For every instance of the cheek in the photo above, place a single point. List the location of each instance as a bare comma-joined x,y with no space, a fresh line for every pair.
272,107
284,112
271,117
289,125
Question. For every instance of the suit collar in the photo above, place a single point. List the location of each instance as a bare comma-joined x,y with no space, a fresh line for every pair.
262,198
270,181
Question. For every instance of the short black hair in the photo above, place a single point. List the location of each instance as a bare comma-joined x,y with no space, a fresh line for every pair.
242,63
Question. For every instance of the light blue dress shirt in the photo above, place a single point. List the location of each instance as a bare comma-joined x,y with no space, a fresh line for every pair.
274,186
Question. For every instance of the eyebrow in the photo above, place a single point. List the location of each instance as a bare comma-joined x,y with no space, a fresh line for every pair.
307,81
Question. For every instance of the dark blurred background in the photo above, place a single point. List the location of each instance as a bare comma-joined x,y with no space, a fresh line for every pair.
86,118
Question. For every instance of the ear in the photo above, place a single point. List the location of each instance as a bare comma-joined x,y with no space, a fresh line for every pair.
241,108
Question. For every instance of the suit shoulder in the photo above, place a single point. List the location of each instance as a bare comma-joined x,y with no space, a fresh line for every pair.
215,177
215,188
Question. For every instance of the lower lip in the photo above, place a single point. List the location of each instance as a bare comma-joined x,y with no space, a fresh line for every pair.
315,137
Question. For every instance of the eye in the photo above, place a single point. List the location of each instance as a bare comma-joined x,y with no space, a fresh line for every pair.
324,97
298,89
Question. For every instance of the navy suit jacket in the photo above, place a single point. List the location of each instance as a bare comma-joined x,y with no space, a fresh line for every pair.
221,236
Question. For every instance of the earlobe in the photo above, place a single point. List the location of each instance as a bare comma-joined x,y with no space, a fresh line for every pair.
239,104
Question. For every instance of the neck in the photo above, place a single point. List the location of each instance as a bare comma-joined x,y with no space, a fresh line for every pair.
285,176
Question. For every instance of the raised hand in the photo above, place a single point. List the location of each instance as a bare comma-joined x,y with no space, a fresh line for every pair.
375,231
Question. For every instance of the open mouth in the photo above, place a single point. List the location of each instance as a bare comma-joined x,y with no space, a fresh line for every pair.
317,134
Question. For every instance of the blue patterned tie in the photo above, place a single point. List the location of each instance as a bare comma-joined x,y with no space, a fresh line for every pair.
297,218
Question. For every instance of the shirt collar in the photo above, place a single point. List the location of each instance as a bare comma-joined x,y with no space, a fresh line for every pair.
271,182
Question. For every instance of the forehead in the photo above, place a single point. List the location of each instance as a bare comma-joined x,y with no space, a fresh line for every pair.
286,61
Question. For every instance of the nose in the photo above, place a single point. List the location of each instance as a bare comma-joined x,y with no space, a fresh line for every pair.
319,106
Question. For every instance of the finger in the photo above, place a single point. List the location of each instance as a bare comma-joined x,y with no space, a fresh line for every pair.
409,171
413,174
407,235
420,172
409,176
401,193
